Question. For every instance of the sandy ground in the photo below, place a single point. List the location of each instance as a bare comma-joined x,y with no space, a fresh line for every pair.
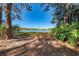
33,47
13,43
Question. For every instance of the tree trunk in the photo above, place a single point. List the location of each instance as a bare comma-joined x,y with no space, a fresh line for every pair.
66,19
0,13
66,16
8,21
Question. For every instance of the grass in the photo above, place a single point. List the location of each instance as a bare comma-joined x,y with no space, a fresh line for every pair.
28,33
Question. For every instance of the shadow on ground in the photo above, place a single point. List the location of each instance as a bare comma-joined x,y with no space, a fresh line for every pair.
49,50
40,49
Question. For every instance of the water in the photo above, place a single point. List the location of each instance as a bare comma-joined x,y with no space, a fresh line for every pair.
34,30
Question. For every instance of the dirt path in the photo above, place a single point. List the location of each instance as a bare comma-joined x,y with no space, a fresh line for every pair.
49,50
13,43
36,48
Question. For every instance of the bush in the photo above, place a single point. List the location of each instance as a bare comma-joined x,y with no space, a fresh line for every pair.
68,31
2,27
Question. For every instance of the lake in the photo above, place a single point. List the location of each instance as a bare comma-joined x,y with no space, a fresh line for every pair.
34,30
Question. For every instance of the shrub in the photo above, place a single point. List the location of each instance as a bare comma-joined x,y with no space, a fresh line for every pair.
1,27
68,31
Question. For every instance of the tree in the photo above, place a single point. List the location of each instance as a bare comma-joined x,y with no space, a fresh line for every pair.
0,13
63,12
13,11
8,21
67,18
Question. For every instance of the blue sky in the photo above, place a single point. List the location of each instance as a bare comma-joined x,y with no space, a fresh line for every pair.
35,18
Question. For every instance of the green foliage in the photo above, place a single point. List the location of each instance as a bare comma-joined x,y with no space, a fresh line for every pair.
15,28
23,33
28,33
2,27
69,31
